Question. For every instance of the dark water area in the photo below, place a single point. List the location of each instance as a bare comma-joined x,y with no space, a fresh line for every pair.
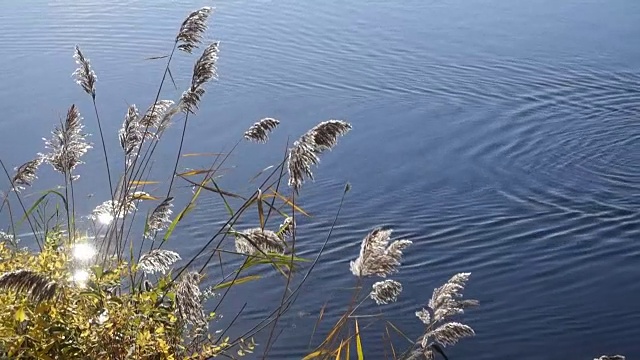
501,137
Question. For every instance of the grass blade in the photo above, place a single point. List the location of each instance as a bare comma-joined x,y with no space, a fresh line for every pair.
359,343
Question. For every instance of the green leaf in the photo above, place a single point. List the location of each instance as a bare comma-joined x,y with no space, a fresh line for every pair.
238,281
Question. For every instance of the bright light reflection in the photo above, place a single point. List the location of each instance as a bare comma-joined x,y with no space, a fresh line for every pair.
105,218
83,251
80,277
104,316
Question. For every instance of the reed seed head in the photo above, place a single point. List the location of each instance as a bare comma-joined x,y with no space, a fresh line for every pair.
288,226
158,261
257,240
130,133
306,150
325,135
156,114
386,291
446,300
84,74
26,174
377,256
188,300
36,286
259,132
611,357
424,316
160,218
204,70
192,29
112,209
68,143
450,333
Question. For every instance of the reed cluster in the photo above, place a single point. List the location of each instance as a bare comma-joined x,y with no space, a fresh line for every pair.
102,288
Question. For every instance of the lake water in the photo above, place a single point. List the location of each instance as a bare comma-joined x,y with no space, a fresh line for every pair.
502,137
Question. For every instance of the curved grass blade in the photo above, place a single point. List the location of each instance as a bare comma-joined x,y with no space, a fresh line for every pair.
359,343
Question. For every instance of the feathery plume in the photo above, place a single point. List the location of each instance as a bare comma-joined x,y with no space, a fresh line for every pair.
325,135
156,114
84,74
192,29
301,157
446,300
158,260
377,257
287,227
68,143
112,209
257,240
420,354
130,134
203,71
610,357
450,333
386,291
259,132
37,287
4,238
188,299
26,174
305,151
159,218
424,316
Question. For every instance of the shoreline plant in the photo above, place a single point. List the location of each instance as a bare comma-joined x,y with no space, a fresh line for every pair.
98,288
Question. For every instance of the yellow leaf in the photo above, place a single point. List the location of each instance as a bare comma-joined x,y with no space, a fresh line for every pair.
194,172
143,196
20,315
359,343
315,354
340,350
142,182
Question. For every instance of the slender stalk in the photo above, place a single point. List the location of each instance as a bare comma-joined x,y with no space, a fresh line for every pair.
284,292
104,147
175,166
294,295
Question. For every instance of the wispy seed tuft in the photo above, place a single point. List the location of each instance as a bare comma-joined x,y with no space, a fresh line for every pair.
36,286
259,132
446,300
257,240
192,29
130,133
204,70
377,256
84,74
158,261
386,291
188,299
306,150
112,209
156,114
26,174
450,333
68,143
288,227
159,218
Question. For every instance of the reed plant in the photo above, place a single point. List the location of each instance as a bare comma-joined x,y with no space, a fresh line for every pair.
112,287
